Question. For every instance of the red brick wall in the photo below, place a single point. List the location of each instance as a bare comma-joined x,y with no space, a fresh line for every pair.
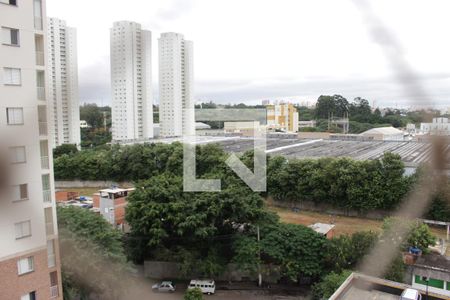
65,196
330,234
13,286
119,210
96,200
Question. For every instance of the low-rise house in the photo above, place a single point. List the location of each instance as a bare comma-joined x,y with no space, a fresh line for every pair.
63,196
359,287
112,203
439,126
244,128
432,272
324,229
384,134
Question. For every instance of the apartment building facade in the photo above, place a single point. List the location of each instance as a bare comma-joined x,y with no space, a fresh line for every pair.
131,82
439,126
282,117
176,83
62,75
29,254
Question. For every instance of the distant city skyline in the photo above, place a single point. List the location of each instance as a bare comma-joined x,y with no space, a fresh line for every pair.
294,51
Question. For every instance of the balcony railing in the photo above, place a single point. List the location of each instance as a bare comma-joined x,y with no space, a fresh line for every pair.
47,195
40,58
41,93
51,260
45,162
49,228
54,292
43,128
38,23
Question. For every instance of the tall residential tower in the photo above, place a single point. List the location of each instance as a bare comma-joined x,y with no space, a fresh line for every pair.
131,81
29,259
176,81
63,79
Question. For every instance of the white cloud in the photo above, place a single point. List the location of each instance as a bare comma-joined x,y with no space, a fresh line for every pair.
252,49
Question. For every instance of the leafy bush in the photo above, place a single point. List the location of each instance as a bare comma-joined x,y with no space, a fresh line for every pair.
346,251
418,234
329,284
193,294
341,182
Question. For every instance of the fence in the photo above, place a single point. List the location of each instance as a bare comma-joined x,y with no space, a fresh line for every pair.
161,269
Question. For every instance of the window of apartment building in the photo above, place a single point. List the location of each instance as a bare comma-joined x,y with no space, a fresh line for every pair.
51,257
20,192
29,296
25,265
10,36
14,115
23,229
17,155
10,2
11,76
48,211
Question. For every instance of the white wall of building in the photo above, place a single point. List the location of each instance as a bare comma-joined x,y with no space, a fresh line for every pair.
439,126
176,80
131,82
62,74
431,289
32,133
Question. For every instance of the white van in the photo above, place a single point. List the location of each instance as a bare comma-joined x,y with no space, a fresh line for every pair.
206,286
411,294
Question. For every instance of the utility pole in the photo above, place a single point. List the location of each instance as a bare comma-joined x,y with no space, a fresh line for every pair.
259,256
104,120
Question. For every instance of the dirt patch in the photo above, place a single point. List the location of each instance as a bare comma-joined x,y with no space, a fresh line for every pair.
344,225
88,191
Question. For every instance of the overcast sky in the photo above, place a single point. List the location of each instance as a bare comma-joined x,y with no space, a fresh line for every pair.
249,50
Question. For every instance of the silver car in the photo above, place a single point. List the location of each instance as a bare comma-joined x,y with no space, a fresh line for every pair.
165,286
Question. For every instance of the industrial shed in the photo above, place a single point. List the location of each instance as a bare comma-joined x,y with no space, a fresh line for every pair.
384,134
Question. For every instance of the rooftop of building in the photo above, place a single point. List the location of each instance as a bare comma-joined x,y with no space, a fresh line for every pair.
433,266
434,261
358,286
383,130
322,228
412,153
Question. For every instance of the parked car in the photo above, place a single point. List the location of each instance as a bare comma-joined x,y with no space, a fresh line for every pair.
165,286
411,294
206,286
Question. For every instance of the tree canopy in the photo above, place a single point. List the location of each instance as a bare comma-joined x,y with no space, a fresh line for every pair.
68,149
92,253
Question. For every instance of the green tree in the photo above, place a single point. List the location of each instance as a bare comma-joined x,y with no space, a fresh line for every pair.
91,254
169,220
346,251
396,270
68,149
418,234
329,284
296,248
440,206
360,110
335,105
193,294
93,114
